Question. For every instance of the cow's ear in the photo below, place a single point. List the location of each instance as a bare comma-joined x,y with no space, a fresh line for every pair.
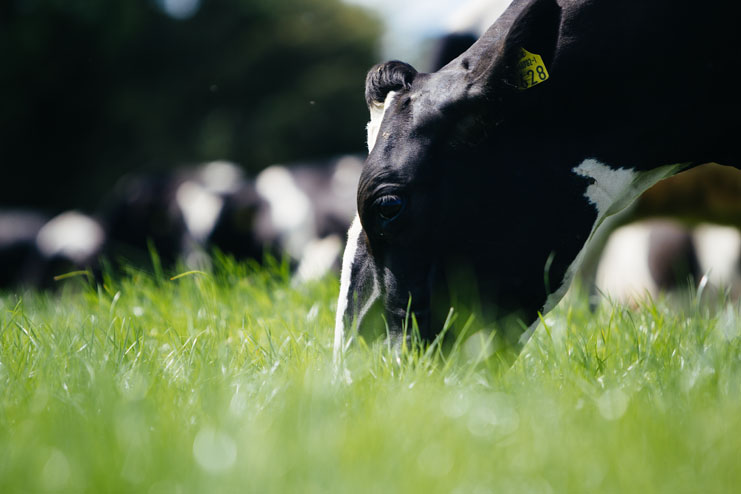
386,77
381,80
532,34
536,30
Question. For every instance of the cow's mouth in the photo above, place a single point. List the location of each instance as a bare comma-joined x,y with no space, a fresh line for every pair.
416,321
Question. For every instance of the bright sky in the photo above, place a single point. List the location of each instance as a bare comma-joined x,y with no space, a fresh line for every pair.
410,22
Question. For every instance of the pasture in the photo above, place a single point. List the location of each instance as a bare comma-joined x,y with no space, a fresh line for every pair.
223,381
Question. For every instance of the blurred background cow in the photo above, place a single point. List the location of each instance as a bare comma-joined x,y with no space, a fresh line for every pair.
300,211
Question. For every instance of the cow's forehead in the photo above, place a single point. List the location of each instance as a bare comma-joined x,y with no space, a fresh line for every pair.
441,89
403,131
400,142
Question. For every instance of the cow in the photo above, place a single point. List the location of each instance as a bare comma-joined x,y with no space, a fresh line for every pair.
498,169
662,256
70,241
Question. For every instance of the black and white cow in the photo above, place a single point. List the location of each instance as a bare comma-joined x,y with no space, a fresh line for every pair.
500,167
34,249
662,256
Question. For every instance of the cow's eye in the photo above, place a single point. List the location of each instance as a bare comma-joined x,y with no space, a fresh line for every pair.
389,207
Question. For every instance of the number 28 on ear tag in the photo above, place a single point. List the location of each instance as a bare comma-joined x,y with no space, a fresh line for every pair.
531,70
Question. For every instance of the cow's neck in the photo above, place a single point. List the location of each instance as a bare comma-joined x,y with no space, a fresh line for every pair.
608,190
612,190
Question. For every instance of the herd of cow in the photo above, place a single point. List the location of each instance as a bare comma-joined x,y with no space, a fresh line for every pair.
301,211
505,170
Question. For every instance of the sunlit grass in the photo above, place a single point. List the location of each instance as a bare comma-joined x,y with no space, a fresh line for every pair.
223,381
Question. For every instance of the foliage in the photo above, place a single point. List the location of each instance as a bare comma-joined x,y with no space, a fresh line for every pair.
223,381
90,90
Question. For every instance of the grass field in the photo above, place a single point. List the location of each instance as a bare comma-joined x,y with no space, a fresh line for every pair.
224,382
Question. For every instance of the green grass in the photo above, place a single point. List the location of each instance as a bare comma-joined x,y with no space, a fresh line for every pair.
224,382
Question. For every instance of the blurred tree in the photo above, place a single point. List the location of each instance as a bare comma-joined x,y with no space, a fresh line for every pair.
90,90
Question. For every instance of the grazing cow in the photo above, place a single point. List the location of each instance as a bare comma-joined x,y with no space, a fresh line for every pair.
34,249
500,167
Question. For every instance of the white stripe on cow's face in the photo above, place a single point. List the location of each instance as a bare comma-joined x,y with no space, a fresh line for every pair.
347,258
377,110
346,288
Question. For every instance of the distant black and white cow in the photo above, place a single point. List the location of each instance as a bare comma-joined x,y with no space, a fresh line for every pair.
34,249
500,167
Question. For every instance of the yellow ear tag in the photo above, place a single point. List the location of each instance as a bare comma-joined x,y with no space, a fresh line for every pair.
531,69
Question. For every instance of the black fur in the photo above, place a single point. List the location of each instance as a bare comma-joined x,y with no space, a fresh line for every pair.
493,212
386,77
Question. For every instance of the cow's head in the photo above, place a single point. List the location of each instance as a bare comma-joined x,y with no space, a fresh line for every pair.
439,194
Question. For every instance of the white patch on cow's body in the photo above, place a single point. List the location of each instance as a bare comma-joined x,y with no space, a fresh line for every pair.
291,210
377,110
71,234
623,273
718,253
353,236
221,177
318,258
200,208
612,191
608,184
